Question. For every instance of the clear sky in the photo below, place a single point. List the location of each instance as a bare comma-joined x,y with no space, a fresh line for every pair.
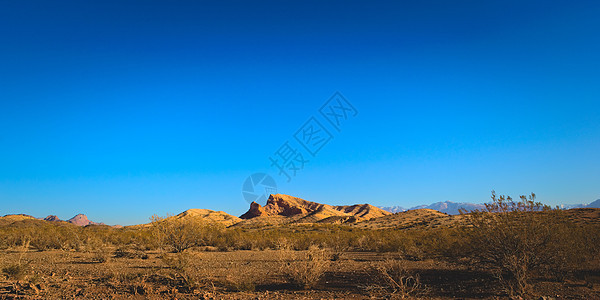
124,109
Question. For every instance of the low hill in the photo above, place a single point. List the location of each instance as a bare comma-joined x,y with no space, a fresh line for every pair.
584,215
10,219
362,211
207,215
202,216
412,219
52,218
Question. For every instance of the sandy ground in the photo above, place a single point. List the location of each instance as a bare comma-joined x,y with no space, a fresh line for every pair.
252,275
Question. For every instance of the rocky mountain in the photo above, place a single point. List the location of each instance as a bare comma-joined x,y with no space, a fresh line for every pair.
82,220
52,218
288,209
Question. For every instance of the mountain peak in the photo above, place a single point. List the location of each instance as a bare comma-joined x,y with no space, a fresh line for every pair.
82,220
52,218
255,210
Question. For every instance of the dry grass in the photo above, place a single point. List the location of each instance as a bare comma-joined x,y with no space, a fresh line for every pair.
264,275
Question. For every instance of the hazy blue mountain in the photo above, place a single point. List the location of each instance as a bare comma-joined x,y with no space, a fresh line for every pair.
570,206
447,207
595,204
452,208
393,209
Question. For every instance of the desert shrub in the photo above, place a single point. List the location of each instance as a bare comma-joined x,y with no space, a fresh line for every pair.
179,234
45,238
415,244
573,246
188,271
18,270
136,283
129,251
393,278
139,284
100,257
304,269
516,238
48,236
241,281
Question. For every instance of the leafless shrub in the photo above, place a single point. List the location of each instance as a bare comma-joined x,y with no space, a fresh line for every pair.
241,280
100,257
179,234
21,268
91,243
304,269
18,270
393,279
139,285
129,252
188,272
516,238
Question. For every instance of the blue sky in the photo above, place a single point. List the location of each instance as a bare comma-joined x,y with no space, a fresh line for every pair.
124,109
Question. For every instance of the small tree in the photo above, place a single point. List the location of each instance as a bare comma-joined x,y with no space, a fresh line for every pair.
514,236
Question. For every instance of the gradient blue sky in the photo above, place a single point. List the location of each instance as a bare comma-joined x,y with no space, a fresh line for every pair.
124,109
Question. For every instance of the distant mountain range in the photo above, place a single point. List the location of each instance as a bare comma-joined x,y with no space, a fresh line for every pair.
595,204
452,208
285,209
447,207
79,220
